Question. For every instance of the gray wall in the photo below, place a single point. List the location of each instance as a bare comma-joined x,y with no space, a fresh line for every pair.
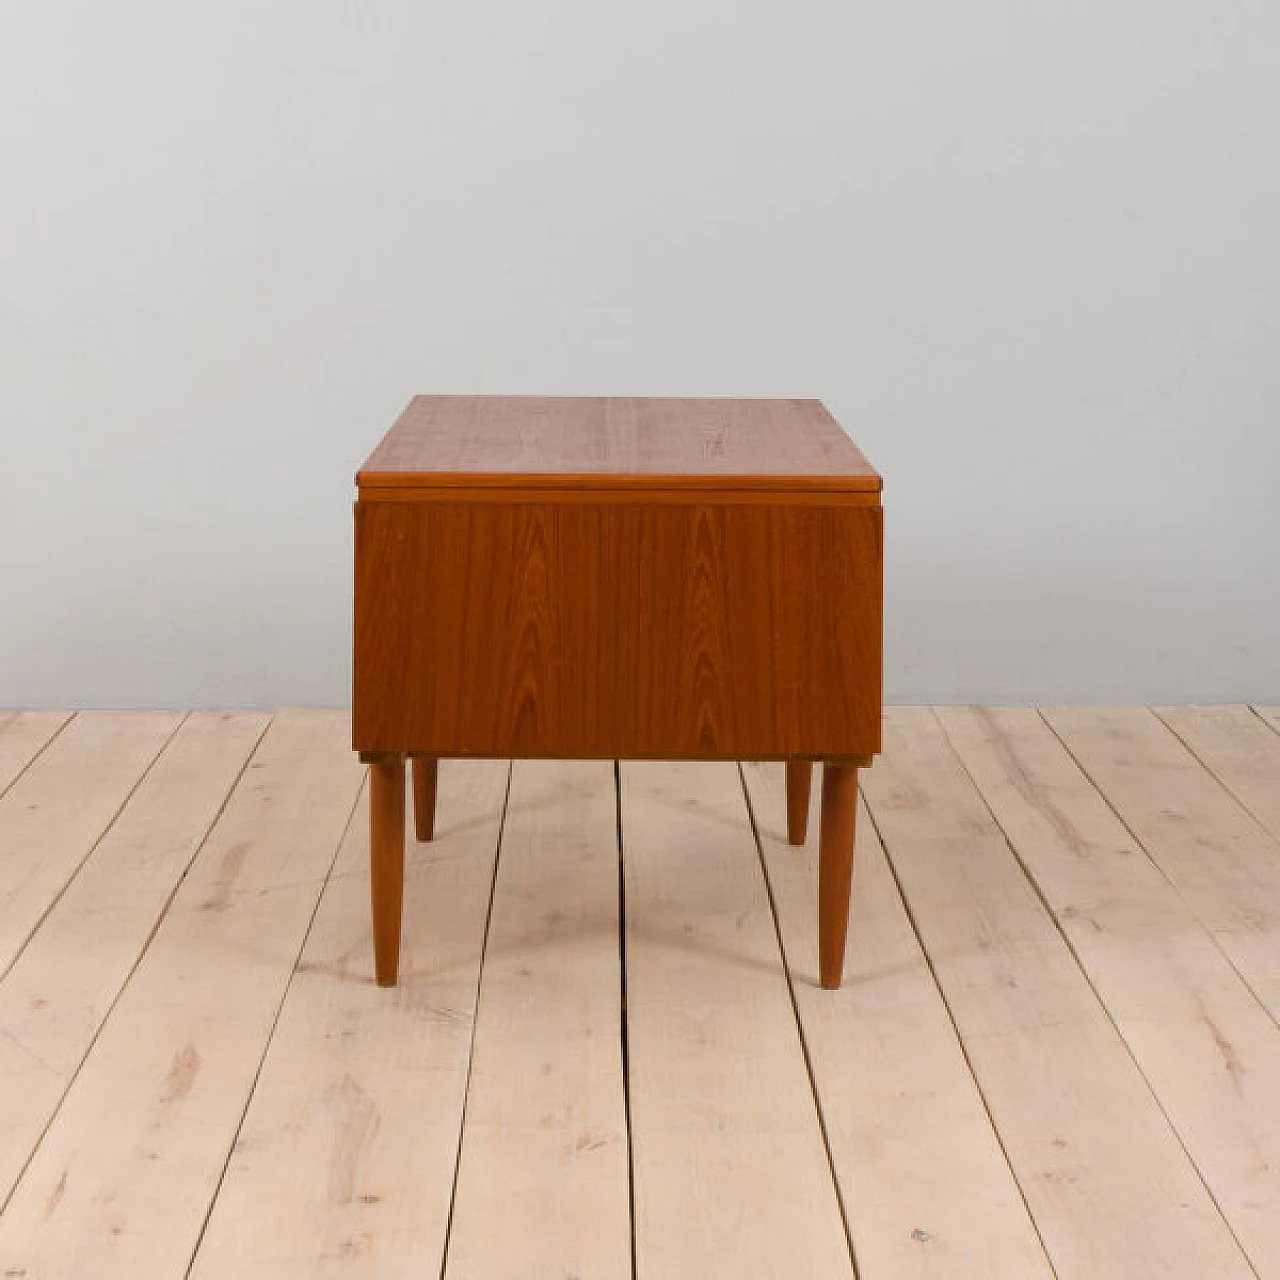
1025,251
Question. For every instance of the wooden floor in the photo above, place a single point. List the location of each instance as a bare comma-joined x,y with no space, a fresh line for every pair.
1057,1050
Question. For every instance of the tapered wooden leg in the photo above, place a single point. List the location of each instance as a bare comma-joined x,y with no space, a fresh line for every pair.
835,867
424,796
799,773
386,863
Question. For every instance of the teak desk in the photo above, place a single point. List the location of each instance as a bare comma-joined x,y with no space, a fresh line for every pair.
617,579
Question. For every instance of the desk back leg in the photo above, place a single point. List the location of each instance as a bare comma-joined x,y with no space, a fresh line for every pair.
424,796
386,863
799,774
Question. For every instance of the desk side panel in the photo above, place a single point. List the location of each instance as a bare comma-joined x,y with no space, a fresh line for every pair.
621,629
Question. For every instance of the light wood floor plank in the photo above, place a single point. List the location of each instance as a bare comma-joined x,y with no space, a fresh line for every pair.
53,1001
543,1178
1240,749
22,735
925,1185
123,1179
345,1155
344,1165
55,812
1271,715
1222,860
731,1174
1205,1045
1112,1192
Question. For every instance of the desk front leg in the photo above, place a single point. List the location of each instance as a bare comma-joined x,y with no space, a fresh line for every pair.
386,863
835,867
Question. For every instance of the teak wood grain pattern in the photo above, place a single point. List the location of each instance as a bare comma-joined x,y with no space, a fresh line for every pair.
592,442
616,579
617,630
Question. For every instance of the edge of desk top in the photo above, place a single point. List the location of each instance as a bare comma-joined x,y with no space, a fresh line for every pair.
630,444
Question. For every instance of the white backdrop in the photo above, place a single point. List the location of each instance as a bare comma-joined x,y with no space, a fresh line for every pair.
1027,252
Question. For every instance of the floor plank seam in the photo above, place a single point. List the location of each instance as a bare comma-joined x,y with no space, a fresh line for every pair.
43,747
266,1047
1097,995
795,1013
1236,797
964,1049
626,1043
1155,862
98,839
1149,958
1257,711
475,1018
142,950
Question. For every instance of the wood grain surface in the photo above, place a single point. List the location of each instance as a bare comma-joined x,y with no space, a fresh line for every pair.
543,1182
1212,1055
926,1188
1240,749
596,442
122,1181
23,735
344,1165
1221,859
731,1173
1108,1182
1048,1045
56,811
618,630
55,999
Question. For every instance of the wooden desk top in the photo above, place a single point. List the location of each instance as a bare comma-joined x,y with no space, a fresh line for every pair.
598,443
